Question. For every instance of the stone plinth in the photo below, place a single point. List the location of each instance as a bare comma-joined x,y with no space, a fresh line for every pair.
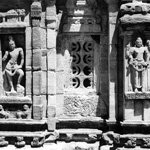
88,135
15,100
15,107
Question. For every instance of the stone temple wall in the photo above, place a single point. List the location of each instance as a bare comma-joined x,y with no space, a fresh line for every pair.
74,74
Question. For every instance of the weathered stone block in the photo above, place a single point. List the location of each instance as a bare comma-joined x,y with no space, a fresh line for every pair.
37,100
37,82
44,63
43,37
37,112
59,105
28,60
28,82
60,82
37,59
51,59
44,82
60,62
36,22
44,102
36,37
28,38
42,24
51,13
51,113
51,24
51,82
51,100
51,124
51,38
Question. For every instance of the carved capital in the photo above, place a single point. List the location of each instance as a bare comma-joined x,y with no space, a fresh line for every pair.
36,9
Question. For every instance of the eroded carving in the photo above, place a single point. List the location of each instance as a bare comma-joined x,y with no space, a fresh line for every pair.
3,113
20,142
84,106
146,142
12,67
3,142
138,61
25,114
111,137
131,143
37,141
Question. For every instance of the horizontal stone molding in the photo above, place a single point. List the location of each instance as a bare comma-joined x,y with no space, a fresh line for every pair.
15,100
133,95
135,19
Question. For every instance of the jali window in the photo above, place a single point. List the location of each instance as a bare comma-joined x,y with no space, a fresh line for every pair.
81,71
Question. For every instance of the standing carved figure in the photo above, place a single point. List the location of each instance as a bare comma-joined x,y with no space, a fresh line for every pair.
138,60
12,67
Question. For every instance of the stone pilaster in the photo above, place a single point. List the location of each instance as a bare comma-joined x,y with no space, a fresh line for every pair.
51,62
37,44
112,59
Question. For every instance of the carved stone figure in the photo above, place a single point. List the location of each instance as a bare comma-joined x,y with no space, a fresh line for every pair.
138,60
3,142
23,114
20,142
3,113
12,67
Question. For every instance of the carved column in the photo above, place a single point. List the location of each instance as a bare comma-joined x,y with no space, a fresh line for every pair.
51,60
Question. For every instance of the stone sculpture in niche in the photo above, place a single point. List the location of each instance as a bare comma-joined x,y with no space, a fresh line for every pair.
138,60
12,67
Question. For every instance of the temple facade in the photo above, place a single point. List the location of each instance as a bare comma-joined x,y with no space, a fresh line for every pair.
75,74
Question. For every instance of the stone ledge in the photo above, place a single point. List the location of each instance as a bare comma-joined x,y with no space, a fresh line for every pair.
135,123
134,19
80,131
140,95
23,134
15,100
86,135
23,121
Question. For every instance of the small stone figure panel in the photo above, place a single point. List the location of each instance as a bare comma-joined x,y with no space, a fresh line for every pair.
138,62
13,64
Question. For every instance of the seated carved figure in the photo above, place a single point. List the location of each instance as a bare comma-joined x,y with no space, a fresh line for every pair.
12,68
138,59
3,113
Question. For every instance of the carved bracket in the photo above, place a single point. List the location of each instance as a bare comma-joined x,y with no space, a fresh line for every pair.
20,142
